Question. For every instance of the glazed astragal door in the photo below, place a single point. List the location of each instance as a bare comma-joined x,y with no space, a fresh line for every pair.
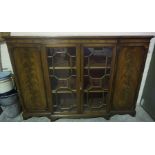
96,76
64,74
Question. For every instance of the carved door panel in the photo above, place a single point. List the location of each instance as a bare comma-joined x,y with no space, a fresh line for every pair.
64,74
97,67
30,80
131,60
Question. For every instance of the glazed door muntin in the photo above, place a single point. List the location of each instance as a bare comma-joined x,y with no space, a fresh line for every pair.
64,74
97,67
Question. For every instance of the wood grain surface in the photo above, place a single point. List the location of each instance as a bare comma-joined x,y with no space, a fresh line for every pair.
130,65
28,68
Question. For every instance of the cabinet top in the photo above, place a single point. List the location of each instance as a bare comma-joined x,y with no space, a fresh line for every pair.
77,39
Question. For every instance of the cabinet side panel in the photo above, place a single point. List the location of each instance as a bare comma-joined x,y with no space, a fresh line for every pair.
27,61
130,67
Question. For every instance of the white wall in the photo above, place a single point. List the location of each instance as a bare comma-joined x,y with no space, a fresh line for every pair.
80,33
6,64
6,61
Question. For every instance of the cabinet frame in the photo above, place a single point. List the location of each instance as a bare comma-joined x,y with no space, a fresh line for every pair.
78,41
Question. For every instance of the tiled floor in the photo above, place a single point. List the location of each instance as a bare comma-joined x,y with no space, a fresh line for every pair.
141,116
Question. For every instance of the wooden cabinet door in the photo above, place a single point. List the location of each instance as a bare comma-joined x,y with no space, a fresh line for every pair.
63,61
130,65
97,67
27,64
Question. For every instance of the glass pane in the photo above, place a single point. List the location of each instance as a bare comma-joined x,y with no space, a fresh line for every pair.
95,101
96,83
63,76
62,57
97,57
63,79
64,102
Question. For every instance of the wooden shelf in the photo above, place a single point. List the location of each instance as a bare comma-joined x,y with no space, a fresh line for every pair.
96,91
63,92
85,91
97,67
91,67
53,56
65,67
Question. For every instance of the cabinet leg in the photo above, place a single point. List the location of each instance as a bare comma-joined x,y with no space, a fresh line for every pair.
26,117
53,119
107,117
133,114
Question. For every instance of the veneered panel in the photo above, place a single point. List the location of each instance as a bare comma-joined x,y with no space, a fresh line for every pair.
129,71
28,69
